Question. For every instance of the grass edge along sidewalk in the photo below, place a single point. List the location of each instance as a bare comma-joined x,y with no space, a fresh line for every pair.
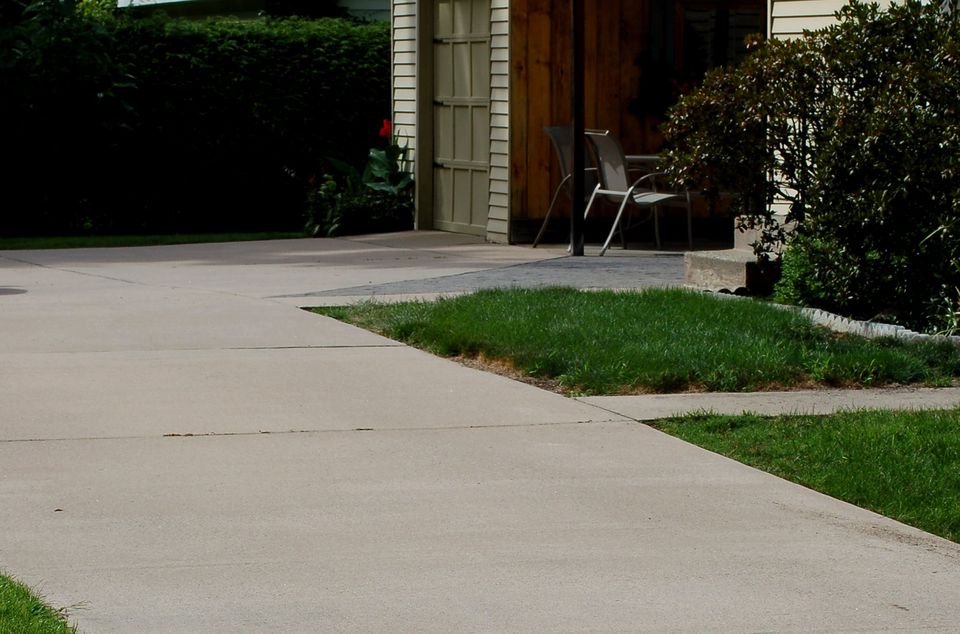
904,465
23,612
651,341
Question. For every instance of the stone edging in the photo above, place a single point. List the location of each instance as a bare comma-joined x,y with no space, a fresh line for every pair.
868,329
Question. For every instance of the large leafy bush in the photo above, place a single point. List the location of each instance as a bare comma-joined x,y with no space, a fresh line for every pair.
63,111
164,125
852,134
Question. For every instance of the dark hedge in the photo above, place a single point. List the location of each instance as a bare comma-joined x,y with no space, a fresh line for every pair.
158,125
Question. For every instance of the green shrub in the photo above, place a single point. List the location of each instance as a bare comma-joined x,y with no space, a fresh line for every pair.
370,211
332,210
888,174
857,128
807,279
751,130
158,125
379,199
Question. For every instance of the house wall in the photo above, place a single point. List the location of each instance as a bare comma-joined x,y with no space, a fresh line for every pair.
404,70
639,56
498,222
789,18
530,89
412,102
540,66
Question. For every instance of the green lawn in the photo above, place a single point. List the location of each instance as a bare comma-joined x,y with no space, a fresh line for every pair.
22,612
905,465
78,242
651,341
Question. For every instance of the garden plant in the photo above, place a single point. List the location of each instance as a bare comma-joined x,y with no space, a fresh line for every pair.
347,201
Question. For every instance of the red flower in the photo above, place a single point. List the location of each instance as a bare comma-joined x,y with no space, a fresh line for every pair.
387,130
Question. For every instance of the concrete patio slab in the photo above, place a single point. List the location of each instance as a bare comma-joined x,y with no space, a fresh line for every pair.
605,527
106,316
645,270
154,393
279,267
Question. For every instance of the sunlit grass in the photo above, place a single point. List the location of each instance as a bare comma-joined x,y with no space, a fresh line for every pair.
662,340
905,465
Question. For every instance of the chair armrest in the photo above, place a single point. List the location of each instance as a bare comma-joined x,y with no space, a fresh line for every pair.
649,159
642,163
651,176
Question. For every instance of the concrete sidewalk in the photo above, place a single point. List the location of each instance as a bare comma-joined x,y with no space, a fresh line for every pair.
183,450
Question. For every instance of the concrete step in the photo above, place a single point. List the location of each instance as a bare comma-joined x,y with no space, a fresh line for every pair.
744,240
730,269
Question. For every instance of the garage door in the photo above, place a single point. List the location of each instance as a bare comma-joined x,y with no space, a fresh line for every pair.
461,115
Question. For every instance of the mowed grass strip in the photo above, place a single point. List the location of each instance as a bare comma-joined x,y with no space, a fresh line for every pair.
22,612
660,340
905,465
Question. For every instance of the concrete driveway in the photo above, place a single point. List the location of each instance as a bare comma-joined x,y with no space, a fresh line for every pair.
183,450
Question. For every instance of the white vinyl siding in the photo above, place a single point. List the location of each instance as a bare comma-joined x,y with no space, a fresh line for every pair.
405,88
404,69
498,217
789,18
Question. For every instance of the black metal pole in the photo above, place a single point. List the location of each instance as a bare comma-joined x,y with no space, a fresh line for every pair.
576,76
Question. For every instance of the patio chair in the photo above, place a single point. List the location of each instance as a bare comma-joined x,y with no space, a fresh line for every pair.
561,137
615,185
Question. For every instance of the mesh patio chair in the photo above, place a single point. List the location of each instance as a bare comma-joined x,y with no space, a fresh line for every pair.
615,185
561,137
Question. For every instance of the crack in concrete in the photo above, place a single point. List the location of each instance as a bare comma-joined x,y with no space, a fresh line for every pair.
344,430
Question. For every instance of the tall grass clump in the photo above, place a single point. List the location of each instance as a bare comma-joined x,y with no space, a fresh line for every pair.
22,612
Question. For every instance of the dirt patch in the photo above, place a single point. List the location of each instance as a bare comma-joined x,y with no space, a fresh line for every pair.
505,367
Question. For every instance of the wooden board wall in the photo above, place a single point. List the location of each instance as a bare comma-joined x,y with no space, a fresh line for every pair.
540,88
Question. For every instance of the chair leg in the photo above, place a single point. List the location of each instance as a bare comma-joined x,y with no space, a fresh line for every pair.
616,223
586,212
623,232
546,218
593,196
656,225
